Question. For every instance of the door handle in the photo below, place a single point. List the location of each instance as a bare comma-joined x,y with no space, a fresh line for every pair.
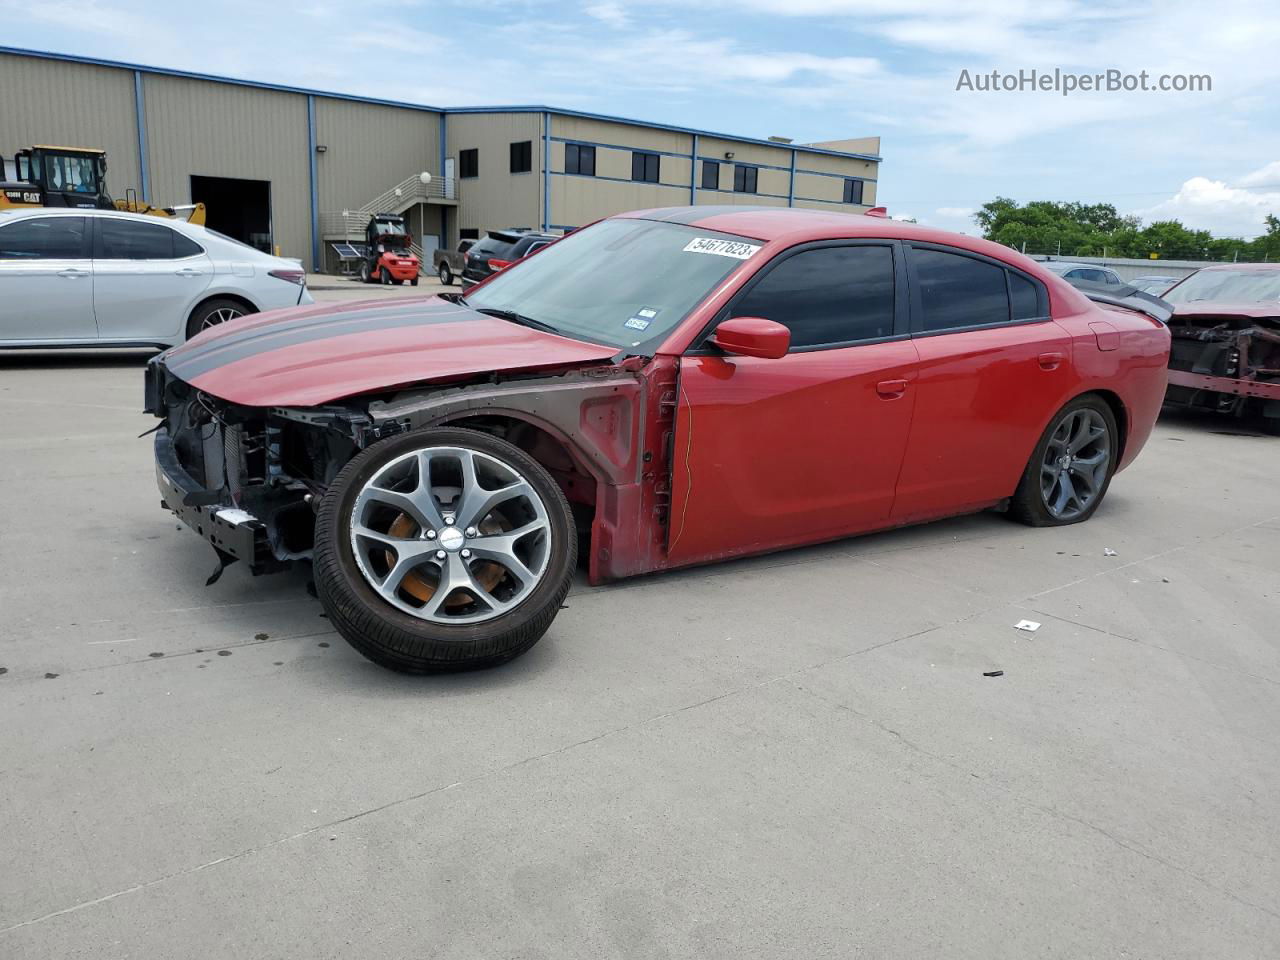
73,272
891,389
189,272
1050,361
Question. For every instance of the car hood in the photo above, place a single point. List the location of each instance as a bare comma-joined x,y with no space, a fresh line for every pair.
1253,309
304,356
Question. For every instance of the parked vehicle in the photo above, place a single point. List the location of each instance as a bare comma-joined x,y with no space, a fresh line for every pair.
76,278
681,385
498,250
449,263
1154,285
1082,271
1226,340
388,254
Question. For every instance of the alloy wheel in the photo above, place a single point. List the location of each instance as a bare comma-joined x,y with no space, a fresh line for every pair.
450,535
1076,461
221,315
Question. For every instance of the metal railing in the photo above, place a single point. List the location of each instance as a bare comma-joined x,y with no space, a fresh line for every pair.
352,223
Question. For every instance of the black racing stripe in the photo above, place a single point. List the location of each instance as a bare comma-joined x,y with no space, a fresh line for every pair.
190,367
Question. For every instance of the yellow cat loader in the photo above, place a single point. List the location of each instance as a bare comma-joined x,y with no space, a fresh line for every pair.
46,176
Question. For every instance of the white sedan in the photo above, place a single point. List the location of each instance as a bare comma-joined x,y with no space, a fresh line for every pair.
72,277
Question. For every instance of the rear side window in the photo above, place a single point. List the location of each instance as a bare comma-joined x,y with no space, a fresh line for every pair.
1024,297
492,247
130,240
958,291
45,238
827,295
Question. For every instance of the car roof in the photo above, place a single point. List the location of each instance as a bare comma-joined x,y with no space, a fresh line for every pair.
1061,266
1241,266
96,212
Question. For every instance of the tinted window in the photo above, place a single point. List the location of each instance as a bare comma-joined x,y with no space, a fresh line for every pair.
827,295
580,159
522,156
185,246
744,178
710,175
1024,297
44,238
468,233
127,240
469,163
493,247
853,191
958,291
644,167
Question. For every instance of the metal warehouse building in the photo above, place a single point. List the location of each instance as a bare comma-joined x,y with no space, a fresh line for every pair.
296,170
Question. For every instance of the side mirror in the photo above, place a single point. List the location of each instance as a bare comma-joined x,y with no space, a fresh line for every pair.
752,337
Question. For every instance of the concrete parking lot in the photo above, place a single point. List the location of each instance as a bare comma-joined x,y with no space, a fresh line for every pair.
790,756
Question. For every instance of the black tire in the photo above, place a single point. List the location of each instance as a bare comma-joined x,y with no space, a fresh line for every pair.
386,276
364,272
1028,503
213,312
446,275
413,282
400,641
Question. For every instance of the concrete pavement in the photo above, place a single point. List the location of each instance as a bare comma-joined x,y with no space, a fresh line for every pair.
789,756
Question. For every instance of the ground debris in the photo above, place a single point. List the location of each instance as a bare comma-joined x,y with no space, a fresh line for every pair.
1027,626
1108,552
993,673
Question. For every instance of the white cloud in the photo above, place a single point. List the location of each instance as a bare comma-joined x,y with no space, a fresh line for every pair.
958,212
1205,204
609,12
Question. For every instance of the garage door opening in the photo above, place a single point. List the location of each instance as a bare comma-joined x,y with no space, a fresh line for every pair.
239,208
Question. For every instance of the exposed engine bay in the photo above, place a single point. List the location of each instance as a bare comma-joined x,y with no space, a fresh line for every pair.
1237,348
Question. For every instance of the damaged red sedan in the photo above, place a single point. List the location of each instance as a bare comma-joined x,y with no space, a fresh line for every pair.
667,387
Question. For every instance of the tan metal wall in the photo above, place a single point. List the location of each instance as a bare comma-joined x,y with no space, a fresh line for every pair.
371,148
70,105
220,130
496,198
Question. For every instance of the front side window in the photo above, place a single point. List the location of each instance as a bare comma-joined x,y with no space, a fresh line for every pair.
827,295
744,178
622,282
130,240
469,163
580,159
710,175
644,167
522,156
45,238
958,291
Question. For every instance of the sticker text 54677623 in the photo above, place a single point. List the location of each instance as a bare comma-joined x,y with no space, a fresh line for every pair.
722,248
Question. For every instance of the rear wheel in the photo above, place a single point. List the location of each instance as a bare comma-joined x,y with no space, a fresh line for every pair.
213,312
413,282
364,272
1071,468
386,276
443,549
446,275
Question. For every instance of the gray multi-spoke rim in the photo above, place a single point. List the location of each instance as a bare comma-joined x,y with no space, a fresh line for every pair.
1075,465
479,542
221,315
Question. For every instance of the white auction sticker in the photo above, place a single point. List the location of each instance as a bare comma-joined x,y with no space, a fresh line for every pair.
721,248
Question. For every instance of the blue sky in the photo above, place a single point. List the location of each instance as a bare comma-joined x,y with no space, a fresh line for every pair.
807,69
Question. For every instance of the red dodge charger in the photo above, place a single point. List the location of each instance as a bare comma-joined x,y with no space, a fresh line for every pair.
673,387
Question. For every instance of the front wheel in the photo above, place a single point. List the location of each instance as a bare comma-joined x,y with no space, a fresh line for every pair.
1071,468
364,272
446,275
443,549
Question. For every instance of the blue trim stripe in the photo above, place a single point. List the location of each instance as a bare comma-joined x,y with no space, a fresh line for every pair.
140,113
546,170
791,186
284,88
693,171
315,183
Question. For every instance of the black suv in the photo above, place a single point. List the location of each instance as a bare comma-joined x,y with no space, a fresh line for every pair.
500,248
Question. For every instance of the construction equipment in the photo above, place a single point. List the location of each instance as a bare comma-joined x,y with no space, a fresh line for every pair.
48,176
388,256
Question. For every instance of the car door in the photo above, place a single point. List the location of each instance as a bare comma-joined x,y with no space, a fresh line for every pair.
994,367
805,447
147,276
46,276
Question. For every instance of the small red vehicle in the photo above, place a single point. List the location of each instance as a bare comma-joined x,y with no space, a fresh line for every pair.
388,255
677,386
1226,340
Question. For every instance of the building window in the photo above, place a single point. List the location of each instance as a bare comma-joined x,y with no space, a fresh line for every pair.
580,159
522,156
469,163
644,167
468,233
744,178
710,175
853,191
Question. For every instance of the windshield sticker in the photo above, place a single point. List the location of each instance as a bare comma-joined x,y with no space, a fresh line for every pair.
722,248
638,323
649,312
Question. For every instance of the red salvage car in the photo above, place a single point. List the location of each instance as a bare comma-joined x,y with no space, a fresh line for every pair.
675,386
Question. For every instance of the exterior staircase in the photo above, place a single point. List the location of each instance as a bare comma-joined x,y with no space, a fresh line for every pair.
349,225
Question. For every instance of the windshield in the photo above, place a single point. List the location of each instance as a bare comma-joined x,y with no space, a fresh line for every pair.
620,282
1236,286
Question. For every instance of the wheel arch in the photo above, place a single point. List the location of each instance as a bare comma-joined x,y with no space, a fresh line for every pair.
1119,411
220,295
